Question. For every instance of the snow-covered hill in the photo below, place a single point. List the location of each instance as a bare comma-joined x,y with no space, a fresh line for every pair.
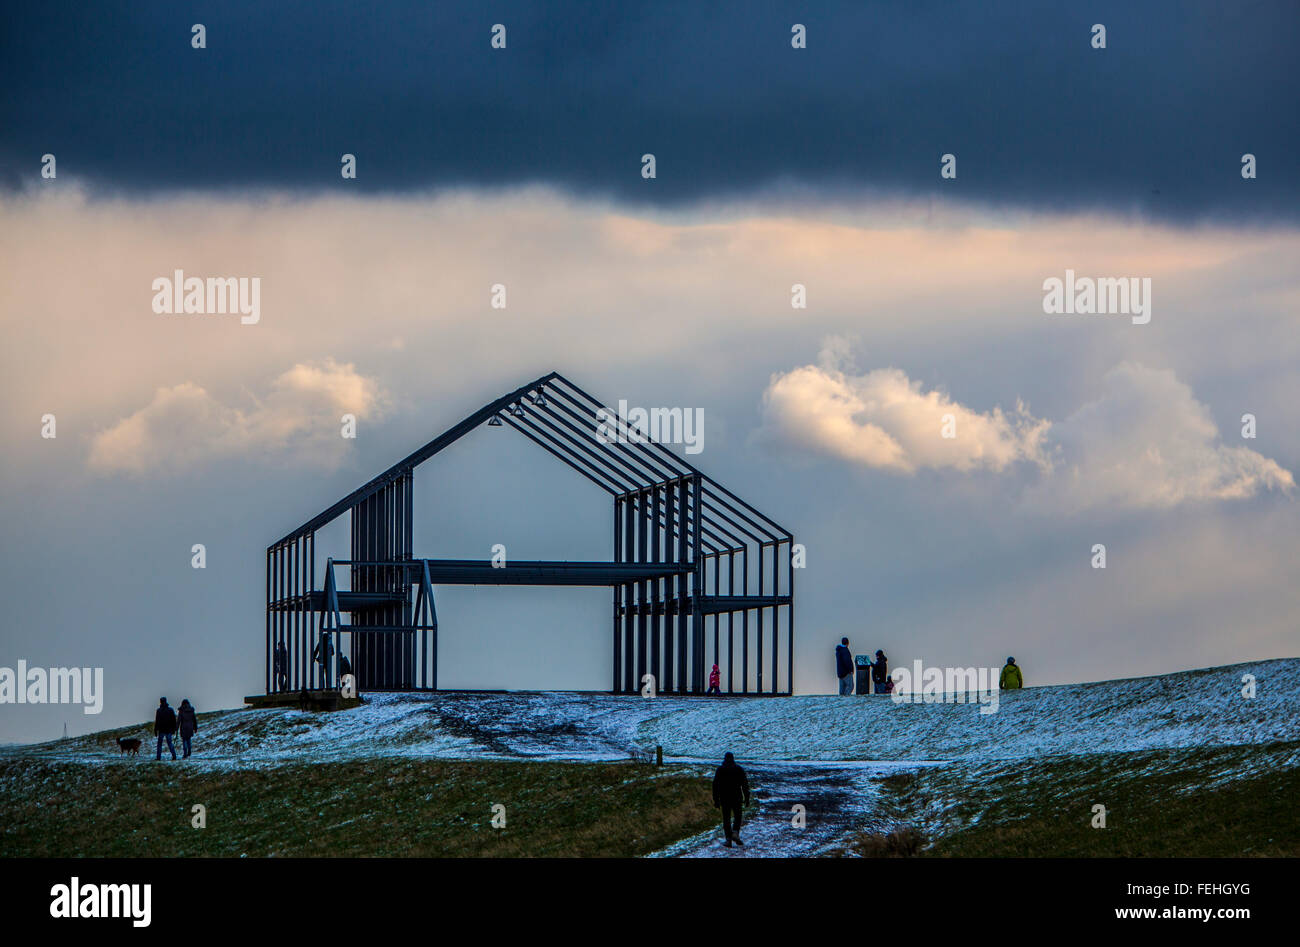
1185,709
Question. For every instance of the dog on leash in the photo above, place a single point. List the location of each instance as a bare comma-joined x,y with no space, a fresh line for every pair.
129,746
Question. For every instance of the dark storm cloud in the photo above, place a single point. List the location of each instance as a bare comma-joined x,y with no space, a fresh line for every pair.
1156,123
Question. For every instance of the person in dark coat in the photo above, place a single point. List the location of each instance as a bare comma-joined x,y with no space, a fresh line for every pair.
189,724
730,794
322,653
844,667
345,667
281,666
164,725
880,674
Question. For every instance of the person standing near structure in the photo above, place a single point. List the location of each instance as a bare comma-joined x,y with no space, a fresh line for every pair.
322,653
731,795
880,681
715,681
844,667
280,664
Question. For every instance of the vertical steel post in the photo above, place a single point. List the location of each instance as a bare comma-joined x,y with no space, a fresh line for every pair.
670,599
790,620
268,655
656,546
758,635
731,624
744,623
697,617
717,590
683,604
629,612
643,591
618,592
776,616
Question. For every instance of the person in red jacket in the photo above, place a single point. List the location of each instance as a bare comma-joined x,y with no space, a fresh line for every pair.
715,681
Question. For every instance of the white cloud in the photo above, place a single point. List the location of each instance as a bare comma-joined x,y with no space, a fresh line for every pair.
1145,443
184,425
885,420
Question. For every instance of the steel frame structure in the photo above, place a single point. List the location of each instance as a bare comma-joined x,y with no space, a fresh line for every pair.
687,555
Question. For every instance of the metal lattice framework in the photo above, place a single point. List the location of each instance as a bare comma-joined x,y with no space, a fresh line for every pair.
695,573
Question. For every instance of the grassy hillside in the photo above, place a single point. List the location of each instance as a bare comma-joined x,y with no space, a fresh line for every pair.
1227,802
394,807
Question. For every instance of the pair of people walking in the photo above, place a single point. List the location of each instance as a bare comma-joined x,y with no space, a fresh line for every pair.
167,721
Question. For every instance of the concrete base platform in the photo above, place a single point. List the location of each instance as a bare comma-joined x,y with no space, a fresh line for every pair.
320,699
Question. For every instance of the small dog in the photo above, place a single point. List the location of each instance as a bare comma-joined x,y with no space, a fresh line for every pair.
129,746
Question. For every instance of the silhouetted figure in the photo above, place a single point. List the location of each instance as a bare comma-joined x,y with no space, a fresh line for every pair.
164,725
730,794
880,681
345,667
188,721
1011,679
844,667
280,664
322,654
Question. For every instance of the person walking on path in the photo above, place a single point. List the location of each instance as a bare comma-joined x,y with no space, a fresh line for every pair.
1011,679
844,667
189,725
715,681
164,725
730,794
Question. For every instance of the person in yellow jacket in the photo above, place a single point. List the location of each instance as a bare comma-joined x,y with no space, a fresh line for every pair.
1011,679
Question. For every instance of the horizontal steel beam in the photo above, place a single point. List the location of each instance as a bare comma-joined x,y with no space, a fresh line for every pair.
525,572
709,604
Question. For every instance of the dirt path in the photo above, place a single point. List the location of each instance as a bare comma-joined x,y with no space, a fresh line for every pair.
838,798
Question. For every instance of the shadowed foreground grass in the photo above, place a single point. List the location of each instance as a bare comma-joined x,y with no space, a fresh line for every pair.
373,807
1166,803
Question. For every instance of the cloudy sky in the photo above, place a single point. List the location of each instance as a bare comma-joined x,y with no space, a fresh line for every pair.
775,166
